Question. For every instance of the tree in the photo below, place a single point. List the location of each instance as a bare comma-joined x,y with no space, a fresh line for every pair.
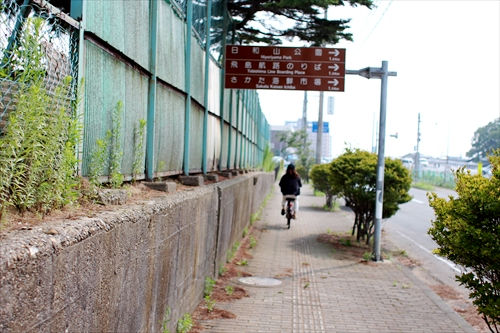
271,21
485,140
303,151
319,176
353,175
467,230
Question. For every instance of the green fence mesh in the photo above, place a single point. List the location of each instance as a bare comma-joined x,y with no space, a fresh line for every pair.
437,178
34,41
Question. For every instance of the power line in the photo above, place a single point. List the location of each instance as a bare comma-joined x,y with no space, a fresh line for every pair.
378,22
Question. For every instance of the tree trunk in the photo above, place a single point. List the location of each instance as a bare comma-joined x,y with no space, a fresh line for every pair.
329,201
354,227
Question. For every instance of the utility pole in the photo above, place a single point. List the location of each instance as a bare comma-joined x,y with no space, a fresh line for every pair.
417,154
382,74
304,117
319,136
374,135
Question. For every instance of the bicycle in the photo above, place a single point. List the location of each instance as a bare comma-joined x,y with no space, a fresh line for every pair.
290,208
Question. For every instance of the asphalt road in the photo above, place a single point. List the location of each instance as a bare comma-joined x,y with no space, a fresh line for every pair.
407,229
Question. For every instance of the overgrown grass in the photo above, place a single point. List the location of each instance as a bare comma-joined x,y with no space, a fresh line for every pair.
256,216
232,251
267,162
423,186
335,207
318,193
37,149
252,242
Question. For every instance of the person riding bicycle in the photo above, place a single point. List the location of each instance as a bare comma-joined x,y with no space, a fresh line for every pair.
290,184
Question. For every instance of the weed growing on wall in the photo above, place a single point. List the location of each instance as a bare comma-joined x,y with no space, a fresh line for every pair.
185,324
229,290
116,178
108,152
166,320
98,161
138,148
37,159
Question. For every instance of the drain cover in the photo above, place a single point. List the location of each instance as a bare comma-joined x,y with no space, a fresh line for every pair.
257,281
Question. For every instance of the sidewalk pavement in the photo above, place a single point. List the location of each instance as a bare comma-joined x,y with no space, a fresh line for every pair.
324,289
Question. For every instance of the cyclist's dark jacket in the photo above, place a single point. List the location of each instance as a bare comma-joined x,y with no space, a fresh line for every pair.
290,185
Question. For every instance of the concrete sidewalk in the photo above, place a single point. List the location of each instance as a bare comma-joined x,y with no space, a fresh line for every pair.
325,290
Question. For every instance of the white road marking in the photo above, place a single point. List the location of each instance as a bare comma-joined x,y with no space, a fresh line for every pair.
449,263
417,201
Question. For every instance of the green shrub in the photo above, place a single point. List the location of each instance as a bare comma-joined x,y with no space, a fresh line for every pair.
353,175
319,176
467,230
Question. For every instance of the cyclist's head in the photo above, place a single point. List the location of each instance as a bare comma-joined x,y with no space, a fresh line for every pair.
290,170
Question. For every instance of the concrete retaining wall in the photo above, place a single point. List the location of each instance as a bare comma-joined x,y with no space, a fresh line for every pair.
121,270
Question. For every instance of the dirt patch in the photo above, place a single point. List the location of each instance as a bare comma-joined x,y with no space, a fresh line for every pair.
461,305
14,220
286,274
446,292
224,290
347,246
204,314
408,262
227,292
470,314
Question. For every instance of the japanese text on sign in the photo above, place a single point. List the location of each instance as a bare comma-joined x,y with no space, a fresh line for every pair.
256,67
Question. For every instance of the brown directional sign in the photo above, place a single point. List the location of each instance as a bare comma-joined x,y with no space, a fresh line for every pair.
287,68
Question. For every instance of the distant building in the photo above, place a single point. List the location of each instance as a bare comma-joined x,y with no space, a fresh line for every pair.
443,164
277,131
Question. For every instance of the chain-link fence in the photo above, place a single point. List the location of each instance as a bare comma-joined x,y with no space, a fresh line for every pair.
219,19
35,44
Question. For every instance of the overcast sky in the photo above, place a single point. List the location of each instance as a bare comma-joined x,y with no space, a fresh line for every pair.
447,56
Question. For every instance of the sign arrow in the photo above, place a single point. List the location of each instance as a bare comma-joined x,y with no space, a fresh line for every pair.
335,82
335,67
334,52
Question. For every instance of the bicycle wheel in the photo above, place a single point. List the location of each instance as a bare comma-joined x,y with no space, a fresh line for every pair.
288,213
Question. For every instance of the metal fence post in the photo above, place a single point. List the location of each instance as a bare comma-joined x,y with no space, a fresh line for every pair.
77,10
230,132
21,17
243,112
150,124
187,117
222,73
236,165
205,96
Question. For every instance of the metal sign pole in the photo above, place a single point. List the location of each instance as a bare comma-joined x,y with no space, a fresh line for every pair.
379,73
